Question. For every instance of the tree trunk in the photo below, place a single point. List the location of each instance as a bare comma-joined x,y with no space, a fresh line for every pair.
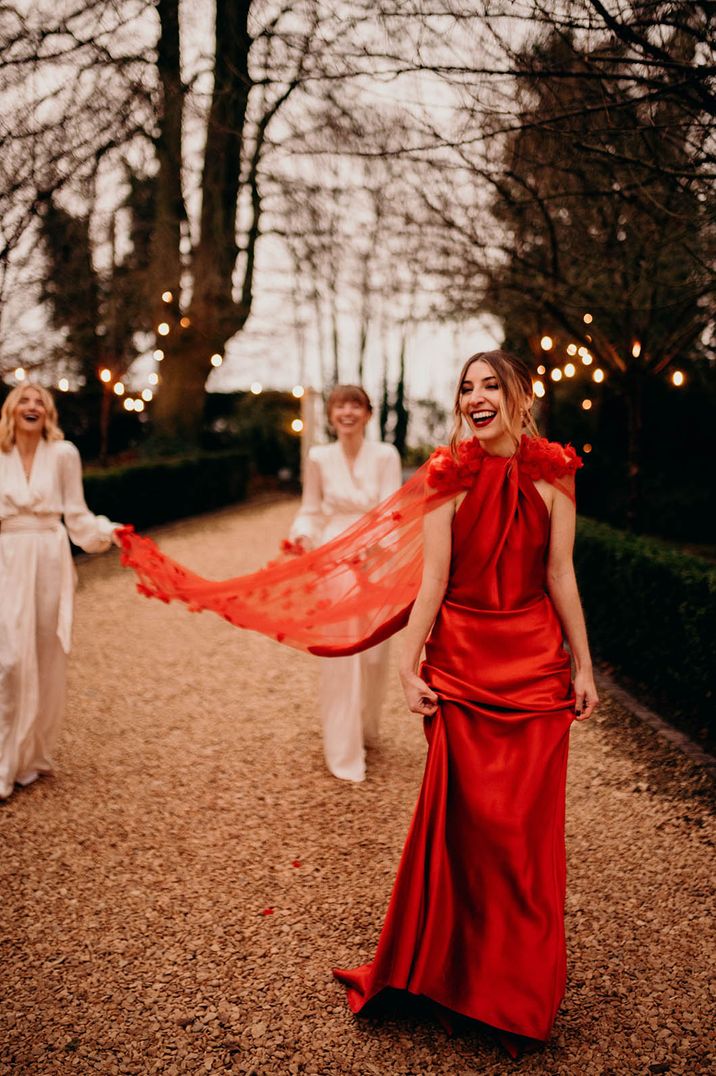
178,410
402,417
634,395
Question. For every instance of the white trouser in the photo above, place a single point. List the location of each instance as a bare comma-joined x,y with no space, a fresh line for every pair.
351,695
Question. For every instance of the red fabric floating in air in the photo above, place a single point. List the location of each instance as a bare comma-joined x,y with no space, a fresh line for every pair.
356,590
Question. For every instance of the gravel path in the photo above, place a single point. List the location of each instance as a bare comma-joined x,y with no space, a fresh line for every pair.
191,800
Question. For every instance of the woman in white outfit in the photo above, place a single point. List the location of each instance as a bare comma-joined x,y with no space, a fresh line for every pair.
341,482
40,483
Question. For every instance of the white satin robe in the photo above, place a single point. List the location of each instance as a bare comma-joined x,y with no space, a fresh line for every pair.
352,688
37,581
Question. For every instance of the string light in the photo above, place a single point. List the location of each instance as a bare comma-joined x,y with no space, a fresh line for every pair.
541,369
147,395
586,358
588,319
586,405
556,374
105,375
63,384
119,389
297,425
167,296
158,354
538,389
185,322
20,374
546,343
636,349
139,405
570,370
129,404
586,449
598,375
153,379
678,378
163,328
216,360
571,349
256,388
297,391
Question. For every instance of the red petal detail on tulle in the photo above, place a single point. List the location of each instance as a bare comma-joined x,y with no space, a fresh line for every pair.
296,863
267,911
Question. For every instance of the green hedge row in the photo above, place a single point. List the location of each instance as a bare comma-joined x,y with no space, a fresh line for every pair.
161,490
651,615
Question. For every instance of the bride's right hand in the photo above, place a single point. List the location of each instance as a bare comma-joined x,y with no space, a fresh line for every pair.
419,697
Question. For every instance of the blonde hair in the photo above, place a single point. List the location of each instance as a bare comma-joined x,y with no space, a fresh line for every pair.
50,430
516,398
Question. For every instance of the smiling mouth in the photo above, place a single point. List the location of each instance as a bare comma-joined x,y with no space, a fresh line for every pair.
482,418
31,418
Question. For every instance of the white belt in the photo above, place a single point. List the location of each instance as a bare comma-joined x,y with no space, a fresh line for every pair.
30,522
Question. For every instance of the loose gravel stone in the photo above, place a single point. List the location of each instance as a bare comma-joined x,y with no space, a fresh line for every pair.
191,798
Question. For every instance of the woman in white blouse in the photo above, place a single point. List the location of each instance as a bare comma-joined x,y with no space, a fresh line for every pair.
40,483
341,482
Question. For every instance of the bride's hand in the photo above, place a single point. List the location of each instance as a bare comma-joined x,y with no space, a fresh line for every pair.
419,697
586,697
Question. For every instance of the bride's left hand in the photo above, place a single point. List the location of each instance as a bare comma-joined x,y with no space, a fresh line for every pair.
586,697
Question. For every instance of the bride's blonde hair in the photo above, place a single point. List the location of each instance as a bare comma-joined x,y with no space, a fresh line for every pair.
50,431
516,398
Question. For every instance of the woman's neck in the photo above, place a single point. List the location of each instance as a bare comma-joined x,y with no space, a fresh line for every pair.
502,446
27,442
351,443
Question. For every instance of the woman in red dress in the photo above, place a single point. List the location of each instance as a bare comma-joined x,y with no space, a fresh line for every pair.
476,918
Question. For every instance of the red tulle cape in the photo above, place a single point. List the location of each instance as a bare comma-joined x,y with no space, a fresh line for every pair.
357,589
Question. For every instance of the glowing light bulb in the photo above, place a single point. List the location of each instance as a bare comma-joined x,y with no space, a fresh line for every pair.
539,389
598,375
297,425
678,378
571,349
63,384
167,296
105,375
586,405
163,328
588,319
128,404
546,343
20,374
185,322
541,369
556,374
297,391
153,379
139,405
570,370
256,388
158,354
586,449
119,389
636,349
216,360
147,395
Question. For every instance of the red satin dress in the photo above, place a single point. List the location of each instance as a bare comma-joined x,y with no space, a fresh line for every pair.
476,918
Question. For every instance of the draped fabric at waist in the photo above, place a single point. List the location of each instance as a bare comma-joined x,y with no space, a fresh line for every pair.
30,522
501,659
25,568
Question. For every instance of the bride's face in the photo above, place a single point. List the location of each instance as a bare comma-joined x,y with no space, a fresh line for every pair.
480,399
30,412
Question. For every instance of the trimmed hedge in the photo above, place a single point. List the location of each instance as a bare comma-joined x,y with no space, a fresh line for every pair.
650,614
162,490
